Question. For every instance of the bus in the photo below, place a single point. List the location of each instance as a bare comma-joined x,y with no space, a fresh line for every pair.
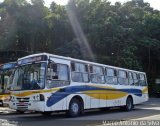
49,83
6,71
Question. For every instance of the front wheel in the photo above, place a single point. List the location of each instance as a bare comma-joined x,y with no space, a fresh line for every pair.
74,108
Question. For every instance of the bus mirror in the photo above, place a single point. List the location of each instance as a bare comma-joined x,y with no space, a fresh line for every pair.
54,67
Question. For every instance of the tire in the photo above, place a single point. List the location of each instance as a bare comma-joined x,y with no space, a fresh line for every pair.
129,104
75,108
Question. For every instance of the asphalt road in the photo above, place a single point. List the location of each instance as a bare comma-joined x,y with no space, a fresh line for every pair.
146,111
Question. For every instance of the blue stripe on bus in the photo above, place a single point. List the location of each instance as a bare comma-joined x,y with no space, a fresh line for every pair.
64,92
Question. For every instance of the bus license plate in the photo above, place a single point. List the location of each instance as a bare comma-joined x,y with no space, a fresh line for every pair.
22,103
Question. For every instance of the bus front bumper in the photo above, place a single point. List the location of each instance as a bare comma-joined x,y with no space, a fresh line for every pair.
25,106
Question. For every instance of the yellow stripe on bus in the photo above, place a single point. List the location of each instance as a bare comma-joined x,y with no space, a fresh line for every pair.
106,95
145,90
28,93
4,96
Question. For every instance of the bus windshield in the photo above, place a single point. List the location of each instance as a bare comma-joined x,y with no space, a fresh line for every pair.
29,77
5,80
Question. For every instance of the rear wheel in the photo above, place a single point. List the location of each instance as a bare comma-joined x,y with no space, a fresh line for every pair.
74,108
129,104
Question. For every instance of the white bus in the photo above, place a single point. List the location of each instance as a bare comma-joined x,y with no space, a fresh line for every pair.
47,83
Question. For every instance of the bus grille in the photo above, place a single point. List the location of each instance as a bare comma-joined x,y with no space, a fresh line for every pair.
22,103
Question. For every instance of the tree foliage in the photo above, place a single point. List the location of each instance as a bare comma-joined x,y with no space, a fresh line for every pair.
125,35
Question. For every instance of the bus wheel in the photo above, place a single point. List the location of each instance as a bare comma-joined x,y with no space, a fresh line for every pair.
74,108
129,104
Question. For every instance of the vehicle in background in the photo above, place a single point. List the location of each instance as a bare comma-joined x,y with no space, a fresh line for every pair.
6,77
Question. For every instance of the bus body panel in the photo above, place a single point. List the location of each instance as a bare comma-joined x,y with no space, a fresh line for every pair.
92,100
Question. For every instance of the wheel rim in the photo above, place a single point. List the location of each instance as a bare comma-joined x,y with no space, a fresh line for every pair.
75,107
129,104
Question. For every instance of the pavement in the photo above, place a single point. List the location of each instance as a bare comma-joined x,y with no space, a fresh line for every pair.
147,111
6,110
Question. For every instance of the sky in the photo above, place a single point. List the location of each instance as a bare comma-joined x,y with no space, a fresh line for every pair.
153,3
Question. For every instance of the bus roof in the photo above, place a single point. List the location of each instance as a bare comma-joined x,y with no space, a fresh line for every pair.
76,60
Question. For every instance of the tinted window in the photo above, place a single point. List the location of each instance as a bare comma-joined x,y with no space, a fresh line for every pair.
97,74
135,78
142,81
80,72
57,75
130,77
122,77
110,75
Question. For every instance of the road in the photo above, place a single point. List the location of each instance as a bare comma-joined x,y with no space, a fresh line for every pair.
146,111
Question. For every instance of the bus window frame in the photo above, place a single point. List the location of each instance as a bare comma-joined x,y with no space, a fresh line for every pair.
115,75
122,77
145,80
103,73
68,71
130,78
87,72
137,78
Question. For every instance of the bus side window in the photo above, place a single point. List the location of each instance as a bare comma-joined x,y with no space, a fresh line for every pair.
79,72
97,74
135,78
57,75
130,76
142,81
122,77
111,76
